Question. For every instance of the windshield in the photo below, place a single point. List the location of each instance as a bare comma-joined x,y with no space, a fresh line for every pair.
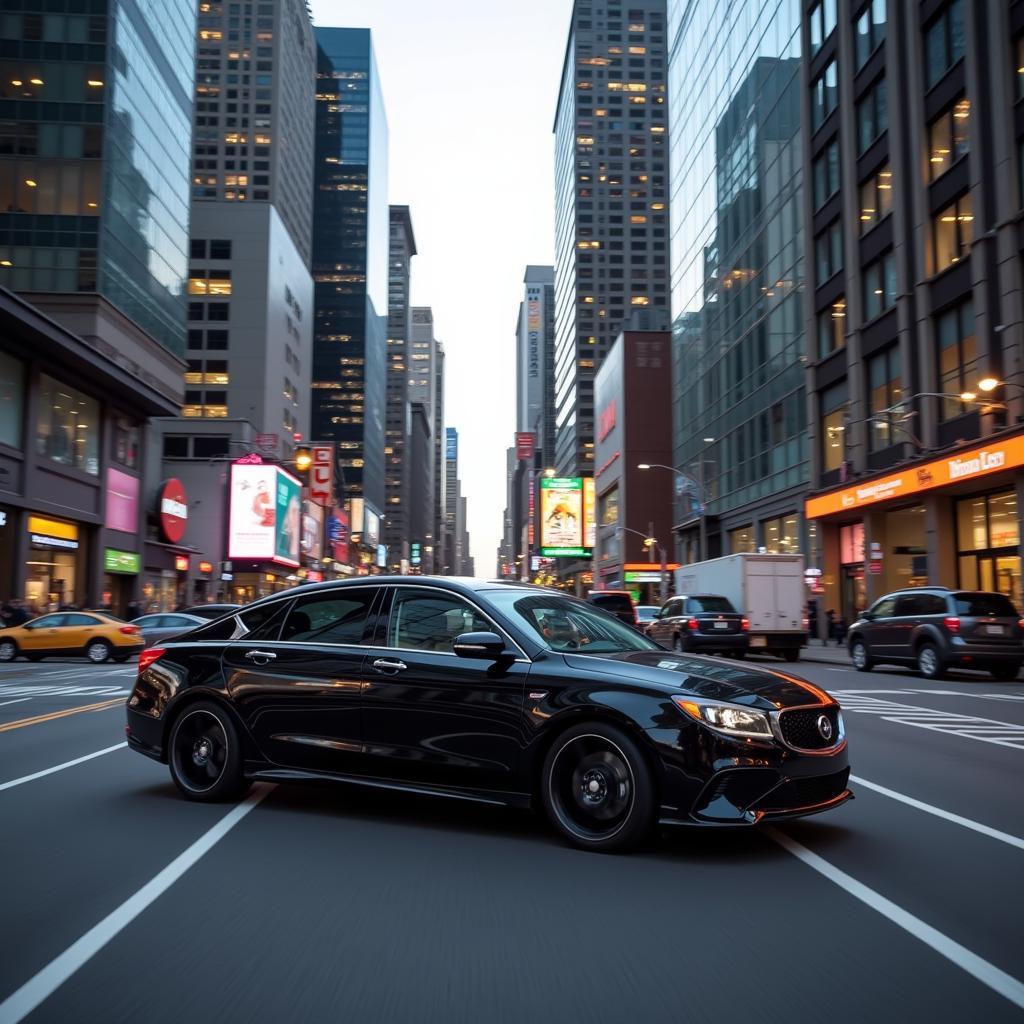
647,611
566,624
709,604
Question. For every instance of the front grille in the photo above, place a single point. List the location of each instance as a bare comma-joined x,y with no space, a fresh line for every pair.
800,727
798,793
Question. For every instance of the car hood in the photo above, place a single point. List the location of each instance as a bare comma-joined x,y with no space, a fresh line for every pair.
708,678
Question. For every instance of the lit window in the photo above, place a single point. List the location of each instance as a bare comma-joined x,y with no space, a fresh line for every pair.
953,231
948,138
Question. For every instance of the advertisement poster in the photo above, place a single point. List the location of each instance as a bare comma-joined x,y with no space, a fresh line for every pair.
312,530
288,535
371,536
589,513
253,515
561,516
338,535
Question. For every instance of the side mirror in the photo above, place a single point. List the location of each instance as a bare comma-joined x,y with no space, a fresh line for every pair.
479,646
867,616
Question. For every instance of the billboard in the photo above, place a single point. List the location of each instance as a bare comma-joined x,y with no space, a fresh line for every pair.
451,444
356,510
264,519
321,474
589,513
371,528
312,530
561,516
525,443
338,534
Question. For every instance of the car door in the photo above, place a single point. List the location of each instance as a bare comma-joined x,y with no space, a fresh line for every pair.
434,718
42,634
296,678
880,631
661,629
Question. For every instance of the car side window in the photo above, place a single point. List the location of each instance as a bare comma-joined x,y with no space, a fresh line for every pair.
331,617
931,604
77,619
424,621
673,609
48,622
884,608
908,604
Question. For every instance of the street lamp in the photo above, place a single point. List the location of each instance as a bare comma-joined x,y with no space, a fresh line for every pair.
650,542
699,481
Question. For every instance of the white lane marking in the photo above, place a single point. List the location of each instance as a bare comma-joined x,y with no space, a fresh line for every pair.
4,704
22,1002
64,691
60,767
985,730
988,974
975,826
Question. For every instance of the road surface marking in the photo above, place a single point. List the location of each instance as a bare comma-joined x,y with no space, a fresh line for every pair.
988,974
60,767
21,1003
63,691
39,719
986,730
975,826
4,704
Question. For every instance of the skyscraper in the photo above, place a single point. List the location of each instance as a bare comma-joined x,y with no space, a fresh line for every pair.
535,360
94,178
424,367
350,261
611,200
397,424
250,290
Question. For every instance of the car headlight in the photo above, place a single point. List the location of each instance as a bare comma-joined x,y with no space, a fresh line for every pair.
728,718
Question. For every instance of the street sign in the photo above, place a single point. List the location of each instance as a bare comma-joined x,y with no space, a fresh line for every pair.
268,442
875,568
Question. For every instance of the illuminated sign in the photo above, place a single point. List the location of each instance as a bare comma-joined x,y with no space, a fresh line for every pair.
451,444
312,530
606,420
321,474
206,568
122,502
525,442
980,461
181,563
52,533
265,518
127,562
561,516
172,511
589,513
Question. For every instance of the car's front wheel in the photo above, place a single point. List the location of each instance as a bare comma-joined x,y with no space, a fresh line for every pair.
206,754
929,662
859,655
597,788
8,650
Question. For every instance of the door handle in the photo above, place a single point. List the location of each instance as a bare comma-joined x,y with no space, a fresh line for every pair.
260,657
387,665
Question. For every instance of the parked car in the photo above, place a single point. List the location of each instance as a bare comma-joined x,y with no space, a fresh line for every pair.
95,635
701,624
491,691
937,629
616,602
163,625
210,611
645,615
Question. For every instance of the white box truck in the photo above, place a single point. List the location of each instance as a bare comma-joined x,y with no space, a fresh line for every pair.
768,589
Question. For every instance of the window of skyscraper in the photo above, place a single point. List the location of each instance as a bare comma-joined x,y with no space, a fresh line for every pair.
949,138
870,30
875,199
832,328
826,173
822,22
834,404
828,252
958,362
945,39
953,230
872,115
824,95
879,286
68,426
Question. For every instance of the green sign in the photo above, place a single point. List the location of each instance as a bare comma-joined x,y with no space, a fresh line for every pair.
565,552
121,561
647,576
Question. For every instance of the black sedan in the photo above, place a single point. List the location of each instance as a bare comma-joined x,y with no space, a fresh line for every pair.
497,692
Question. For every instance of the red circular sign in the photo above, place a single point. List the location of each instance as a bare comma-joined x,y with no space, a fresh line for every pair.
172,509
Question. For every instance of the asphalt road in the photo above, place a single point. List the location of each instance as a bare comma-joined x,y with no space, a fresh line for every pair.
123,902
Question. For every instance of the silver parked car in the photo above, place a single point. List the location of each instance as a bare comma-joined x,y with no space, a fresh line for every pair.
162,626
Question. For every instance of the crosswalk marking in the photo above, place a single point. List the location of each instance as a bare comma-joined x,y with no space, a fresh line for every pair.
985,730
63,691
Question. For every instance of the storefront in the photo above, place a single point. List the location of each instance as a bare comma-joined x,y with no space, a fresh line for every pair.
952,521
56,565
119,571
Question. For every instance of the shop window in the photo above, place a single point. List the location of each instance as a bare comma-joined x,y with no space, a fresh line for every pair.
959,363
608,507
953,231
126,442
824,95
949,138
834,403
742,539
68,426
988,544
872,115
879,286
944,42
782,535
875,199
12,391
826,174
885,390
870,31
832,328
851,544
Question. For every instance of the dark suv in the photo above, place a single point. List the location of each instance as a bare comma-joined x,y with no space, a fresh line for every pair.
616,602
937,629
701,624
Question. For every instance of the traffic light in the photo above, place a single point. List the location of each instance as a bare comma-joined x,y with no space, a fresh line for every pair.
303,459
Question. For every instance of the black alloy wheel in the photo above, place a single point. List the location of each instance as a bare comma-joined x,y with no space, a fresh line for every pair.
8,650
597,788
859,655
929,662
205,754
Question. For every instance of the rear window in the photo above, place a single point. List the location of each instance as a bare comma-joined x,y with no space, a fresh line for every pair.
619,602
708,604
985,605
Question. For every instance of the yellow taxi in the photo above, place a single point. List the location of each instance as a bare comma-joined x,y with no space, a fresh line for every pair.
95,635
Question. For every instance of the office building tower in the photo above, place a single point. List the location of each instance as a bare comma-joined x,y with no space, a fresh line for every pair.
914,163
739,407
401,249
611,200
450,499
424,368
350,261
440,444
535,361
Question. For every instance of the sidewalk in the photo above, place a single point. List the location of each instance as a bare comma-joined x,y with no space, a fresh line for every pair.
833,655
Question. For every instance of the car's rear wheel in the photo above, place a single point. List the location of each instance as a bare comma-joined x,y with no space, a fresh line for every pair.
97,651
121,658
1006,673
678,644
8,650
859,655
34,657
206,754
929,662
791,655
597,788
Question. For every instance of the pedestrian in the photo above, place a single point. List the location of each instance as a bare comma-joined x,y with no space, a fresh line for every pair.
830,625
6,613
19,613
134,610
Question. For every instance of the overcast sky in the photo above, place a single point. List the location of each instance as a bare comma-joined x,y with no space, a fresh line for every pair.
470,90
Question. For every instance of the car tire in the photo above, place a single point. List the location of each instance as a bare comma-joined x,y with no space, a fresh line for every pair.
34,657
121,658
791,655
8,650
98,651
678,644
205,754
859,655
929,662
597,788
739,655
1005,673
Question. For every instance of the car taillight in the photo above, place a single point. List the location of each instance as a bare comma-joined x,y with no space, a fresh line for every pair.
148,656
744,623
1021,623
952,623
128,630
693,624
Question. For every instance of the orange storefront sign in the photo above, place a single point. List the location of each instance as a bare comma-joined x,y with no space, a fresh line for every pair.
964,465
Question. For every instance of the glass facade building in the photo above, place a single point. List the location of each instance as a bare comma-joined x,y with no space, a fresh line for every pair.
95,124
736,205
350,260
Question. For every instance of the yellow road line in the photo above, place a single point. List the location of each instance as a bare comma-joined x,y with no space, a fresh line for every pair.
39,719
